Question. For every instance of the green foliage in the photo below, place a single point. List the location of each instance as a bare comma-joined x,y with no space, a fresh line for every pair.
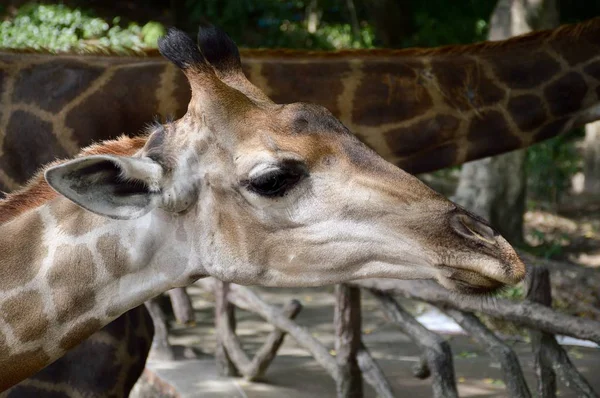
436,23
56,27
279,23
551,165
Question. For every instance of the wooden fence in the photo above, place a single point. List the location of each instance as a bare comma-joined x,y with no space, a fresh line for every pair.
353,363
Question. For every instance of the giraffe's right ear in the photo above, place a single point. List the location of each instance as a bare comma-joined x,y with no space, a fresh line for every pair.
113,186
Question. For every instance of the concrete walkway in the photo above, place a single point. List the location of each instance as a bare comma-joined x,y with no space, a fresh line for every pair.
294,374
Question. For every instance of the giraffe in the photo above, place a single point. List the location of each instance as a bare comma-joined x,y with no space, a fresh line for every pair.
520,91
239,188
52,101
107,364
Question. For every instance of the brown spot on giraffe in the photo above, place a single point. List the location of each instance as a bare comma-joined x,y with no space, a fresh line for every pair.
430,133
390,92
71,293
565,95
287,82
113,254
593,70
433,159
32,138
54,84
470,87
573,52
21,365
25,314
131,113
71,221
527,111
532,70
79,332
551,129
23,244
497,127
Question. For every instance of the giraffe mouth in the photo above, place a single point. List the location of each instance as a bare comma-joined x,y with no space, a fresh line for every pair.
468,282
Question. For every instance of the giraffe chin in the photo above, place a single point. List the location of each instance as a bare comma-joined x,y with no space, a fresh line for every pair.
469,282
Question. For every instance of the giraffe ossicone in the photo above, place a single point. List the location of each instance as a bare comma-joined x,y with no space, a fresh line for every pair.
239,188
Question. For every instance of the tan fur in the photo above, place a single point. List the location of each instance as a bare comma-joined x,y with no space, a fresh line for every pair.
71,293
113,254
22,244
25,314
80,332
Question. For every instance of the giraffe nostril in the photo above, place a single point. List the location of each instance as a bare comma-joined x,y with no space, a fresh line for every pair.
471,228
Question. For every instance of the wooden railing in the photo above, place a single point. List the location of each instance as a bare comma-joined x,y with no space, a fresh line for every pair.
353,363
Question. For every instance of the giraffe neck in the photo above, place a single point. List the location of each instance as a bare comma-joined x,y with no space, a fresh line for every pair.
422,109
65,273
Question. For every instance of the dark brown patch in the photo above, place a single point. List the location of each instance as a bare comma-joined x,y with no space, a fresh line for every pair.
114,255
425,134
25,314
551,129
593,70
21,251
71,279
574,51
28,143
79,332
98,367
532,70
317,83
490,134
115,108
463,84
527,111
54,84
565,95
429,160
21,366
389,92
311,119
72,219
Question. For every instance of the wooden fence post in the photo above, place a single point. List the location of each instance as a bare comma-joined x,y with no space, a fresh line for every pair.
224,317
347,320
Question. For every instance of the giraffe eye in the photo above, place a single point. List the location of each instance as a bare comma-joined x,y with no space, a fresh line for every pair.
277,182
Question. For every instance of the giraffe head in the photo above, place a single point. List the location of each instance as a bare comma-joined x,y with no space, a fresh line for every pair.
282,195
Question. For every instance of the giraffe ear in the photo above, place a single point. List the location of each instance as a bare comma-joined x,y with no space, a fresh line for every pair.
112,186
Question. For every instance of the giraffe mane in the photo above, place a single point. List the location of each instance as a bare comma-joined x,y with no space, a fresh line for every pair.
571,31
37,192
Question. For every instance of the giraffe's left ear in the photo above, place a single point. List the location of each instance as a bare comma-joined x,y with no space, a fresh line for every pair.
112,186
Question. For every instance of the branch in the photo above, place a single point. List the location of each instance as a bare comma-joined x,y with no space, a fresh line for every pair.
182,306
161,349
347,321
254,369
246,299
509,362
224,318
436,349
550,357
373,373
531,315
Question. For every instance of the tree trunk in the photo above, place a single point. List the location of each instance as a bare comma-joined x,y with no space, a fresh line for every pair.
494,188
313,16
591,156
392,21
